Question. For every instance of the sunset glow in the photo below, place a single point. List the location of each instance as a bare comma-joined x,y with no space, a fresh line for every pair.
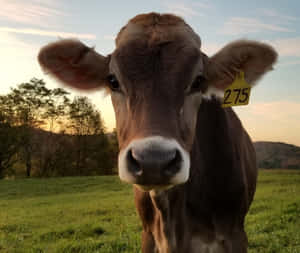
274,110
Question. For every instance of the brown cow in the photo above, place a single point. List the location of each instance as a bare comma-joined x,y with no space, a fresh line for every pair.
191,161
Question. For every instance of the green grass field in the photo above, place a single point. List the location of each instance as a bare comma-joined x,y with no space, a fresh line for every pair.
96,214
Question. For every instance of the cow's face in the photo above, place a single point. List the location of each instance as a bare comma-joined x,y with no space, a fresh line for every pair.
156,91
157,78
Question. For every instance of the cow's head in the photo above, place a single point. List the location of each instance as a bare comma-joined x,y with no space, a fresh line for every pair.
157,77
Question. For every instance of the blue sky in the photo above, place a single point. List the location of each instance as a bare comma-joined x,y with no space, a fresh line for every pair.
274,110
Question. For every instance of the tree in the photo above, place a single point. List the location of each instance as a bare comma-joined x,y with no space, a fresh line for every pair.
113,150
9,145
84,121
81,147
29,106
54,112
55,107
84,118
27,102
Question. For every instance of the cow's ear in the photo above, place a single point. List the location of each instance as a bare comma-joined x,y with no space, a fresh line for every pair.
251,57
74,64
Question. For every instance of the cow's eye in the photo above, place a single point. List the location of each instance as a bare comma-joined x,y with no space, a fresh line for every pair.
113,83
197,84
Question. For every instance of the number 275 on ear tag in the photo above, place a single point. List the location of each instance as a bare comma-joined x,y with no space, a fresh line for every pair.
238,93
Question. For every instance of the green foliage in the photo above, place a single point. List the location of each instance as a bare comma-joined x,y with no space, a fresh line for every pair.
97,214
9,146
26,107
84,118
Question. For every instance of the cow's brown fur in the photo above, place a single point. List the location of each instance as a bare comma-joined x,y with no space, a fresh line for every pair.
156,61
152,19
212,206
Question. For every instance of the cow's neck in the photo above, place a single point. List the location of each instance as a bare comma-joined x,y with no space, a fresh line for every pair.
195,206
168,222
214,157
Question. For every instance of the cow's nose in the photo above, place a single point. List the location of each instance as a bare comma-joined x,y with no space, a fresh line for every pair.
162,162
154,162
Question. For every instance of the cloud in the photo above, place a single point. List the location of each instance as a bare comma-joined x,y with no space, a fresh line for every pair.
289,63
272,121
48,33
45,14
8,40
182,9
18,60
279,17
204,5
210,48
242,25
109,37
31,12
277,111
287,47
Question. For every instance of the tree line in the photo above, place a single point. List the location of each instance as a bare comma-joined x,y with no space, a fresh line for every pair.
43,133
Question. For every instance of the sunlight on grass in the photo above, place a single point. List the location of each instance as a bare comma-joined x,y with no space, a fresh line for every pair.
97,214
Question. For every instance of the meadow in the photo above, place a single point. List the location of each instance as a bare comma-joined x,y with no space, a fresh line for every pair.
97,214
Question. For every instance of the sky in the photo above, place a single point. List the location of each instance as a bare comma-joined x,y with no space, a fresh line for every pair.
274,110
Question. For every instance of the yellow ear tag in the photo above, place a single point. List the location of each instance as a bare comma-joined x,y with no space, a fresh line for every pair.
238,93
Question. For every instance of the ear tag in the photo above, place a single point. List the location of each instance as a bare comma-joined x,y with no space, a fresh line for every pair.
238,93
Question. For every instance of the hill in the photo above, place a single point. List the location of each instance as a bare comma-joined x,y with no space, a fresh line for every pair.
270,155
277,155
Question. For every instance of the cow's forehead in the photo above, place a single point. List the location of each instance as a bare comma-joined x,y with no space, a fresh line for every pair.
137,61
157,29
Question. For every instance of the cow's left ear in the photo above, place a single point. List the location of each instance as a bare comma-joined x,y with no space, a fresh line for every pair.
251,57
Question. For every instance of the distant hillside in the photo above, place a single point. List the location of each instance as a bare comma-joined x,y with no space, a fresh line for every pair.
277,155
270,155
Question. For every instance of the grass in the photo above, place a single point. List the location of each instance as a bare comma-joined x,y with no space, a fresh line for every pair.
96,214
273,223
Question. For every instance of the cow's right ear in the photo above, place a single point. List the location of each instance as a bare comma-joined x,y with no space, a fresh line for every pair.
75,64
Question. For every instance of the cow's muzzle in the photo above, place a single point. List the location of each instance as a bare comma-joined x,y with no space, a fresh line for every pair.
154,162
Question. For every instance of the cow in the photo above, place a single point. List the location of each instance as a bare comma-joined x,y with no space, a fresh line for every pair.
191,162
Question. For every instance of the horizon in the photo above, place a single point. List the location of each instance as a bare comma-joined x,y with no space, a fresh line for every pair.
274,110
109,132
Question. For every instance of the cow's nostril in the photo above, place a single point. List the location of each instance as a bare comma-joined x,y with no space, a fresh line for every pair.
152,158
174,165
134,166
155,161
